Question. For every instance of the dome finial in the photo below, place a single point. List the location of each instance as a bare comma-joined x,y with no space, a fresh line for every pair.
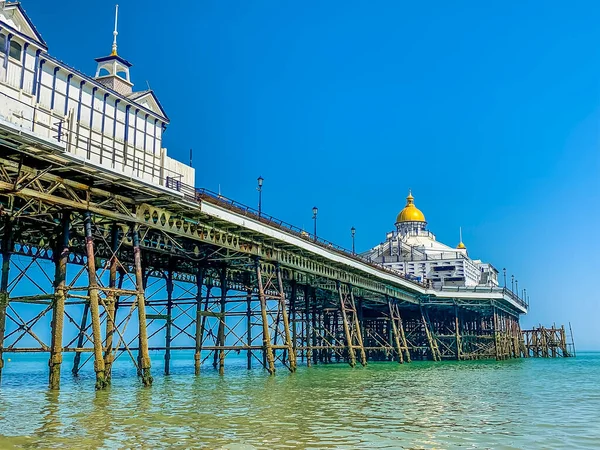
460,242
410,213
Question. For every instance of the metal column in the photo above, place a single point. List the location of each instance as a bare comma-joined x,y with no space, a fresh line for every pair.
58,311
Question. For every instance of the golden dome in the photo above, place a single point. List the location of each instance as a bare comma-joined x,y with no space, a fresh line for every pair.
410,213
461,245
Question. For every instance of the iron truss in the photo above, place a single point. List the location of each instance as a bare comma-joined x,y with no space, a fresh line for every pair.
131,272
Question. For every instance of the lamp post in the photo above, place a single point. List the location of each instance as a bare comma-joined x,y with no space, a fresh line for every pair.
353,233
259,188
315,211
512,284
517,287
524,295
504,270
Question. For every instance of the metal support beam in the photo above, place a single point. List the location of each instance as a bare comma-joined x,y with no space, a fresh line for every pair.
169,288
286,324
111,301
358,328
393,308
307,326
249,328
144,355
7,248
267,348
60,293
433,348
221,332
99,367
457,334
350,347
80,338
199,319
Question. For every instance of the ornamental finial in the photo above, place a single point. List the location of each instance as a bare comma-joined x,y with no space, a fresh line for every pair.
115,33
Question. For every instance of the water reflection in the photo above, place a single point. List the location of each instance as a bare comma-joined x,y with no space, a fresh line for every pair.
421,405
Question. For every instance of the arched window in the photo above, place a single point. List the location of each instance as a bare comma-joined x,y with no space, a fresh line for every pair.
15,50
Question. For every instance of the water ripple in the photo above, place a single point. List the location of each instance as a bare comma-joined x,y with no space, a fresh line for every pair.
529,403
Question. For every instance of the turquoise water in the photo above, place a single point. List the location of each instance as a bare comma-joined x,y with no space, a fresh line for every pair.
528,403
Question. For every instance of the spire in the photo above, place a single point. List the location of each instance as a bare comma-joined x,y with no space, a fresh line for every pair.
115,33
460,242
112,70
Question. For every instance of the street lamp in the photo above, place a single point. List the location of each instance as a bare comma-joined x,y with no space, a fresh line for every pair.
353,232
512,284
315,211
517,287
504,270
259,188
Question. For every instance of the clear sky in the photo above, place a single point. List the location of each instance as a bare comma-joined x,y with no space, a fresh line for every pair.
490,113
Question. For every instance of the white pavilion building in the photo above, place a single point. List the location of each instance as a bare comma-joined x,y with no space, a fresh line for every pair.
413,250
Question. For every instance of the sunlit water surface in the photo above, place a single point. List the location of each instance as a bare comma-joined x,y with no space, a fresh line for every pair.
528,403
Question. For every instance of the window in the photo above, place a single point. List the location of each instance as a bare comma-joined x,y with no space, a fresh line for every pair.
15,50
2,43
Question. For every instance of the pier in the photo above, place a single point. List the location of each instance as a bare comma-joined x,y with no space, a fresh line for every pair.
109,250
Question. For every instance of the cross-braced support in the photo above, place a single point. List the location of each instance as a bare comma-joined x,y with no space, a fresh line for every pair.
352,329
398,332
431,340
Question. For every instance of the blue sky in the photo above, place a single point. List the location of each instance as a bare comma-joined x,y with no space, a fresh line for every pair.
489,112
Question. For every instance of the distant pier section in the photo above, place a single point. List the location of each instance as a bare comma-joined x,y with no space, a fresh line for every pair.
109,251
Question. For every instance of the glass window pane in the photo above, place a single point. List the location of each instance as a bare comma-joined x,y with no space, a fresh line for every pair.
15,50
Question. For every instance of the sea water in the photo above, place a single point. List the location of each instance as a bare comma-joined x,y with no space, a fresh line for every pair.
524,404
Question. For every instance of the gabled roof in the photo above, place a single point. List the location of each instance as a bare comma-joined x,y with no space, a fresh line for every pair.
22,24
148,100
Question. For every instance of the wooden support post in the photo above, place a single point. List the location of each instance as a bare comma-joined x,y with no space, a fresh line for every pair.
457,334
99,367
144,354
198,336
249,327
110,302
358,327
351,354
61,259
168,328
267,348
307,327
7,249
395,332
286,323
